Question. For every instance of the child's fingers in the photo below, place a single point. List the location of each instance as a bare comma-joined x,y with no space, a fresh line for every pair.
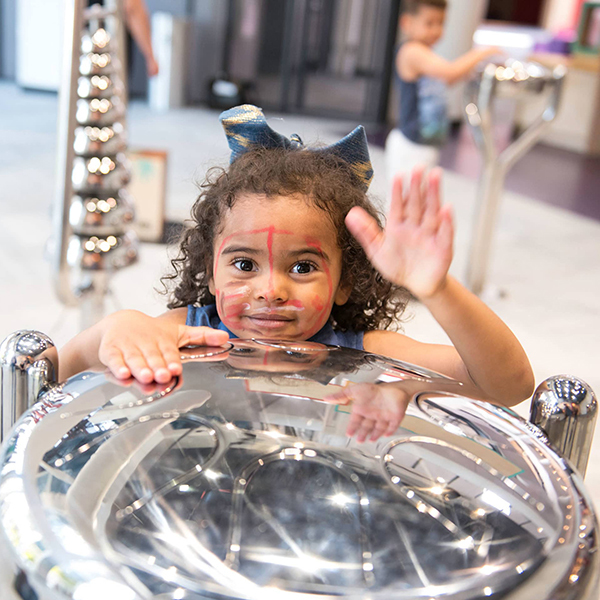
342,397
396,212
413,209
365,429
172,357
156,362
380,427
365,229
445,233
138,366
354,424
113,359
432,201
201,336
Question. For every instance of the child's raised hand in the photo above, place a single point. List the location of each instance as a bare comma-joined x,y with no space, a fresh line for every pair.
415,248
376,409
133,344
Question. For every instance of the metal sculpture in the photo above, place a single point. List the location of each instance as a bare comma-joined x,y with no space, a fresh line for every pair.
515,80
93,212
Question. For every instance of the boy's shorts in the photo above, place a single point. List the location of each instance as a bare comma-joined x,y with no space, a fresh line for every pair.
402,156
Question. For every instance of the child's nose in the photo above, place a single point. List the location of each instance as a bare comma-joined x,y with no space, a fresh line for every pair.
272,287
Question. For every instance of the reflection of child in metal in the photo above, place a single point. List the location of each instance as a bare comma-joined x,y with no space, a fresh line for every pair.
287,245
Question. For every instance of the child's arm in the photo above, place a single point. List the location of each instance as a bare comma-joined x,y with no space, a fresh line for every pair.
417,60
131,343
415,251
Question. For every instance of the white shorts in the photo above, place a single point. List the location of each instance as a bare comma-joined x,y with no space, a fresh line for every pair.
402,155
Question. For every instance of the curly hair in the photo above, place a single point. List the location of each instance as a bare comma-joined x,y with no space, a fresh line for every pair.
326,181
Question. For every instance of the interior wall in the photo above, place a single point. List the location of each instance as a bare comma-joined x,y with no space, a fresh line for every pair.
8,27
561,14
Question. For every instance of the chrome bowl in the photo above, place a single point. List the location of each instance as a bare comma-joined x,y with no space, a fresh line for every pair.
97,41
102,253
101,214
238,480
101,141
517,79
98,63
99,112
95,174
99,86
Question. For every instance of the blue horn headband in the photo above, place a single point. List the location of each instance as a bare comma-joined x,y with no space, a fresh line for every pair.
246,129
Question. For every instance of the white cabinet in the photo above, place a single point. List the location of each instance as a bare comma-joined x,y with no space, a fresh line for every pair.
39,43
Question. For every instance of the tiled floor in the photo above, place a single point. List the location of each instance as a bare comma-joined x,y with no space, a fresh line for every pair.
546,260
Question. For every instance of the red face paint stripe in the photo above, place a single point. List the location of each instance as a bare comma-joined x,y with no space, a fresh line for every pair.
316,244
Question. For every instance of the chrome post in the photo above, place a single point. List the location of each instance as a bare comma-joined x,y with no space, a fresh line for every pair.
481,94
28,366
565,409
93,213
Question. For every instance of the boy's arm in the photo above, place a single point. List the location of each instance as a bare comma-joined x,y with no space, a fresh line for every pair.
131,343
415,251
417,60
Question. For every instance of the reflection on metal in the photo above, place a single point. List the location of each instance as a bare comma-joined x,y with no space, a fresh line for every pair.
235,480
514,80
28,366
93,212
565,408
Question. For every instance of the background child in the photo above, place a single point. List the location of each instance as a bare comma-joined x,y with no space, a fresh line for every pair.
423,77
286,244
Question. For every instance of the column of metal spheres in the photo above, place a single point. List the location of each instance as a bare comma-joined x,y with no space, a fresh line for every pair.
101,211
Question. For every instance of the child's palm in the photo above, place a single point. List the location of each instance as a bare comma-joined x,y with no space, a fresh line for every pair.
415,248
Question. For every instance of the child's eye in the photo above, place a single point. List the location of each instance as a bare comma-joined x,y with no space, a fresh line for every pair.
243,264
302,268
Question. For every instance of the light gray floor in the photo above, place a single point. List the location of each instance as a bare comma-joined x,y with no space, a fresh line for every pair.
545,261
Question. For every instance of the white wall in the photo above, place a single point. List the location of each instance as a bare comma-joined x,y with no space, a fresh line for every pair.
558,14
462,19
39,43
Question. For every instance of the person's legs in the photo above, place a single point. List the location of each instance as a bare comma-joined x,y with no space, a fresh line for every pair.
402,156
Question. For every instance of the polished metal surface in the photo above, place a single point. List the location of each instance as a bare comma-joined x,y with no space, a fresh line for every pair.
91,206
566,409
100,141
100,173
105,253
99,112
28,366
519,81
237,480
101,215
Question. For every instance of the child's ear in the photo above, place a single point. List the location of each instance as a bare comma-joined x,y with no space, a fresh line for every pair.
211,286
342,294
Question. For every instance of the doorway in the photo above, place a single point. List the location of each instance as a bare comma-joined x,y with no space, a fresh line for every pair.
329,58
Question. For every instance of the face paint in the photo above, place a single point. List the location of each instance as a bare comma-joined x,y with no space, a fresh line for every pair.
287,289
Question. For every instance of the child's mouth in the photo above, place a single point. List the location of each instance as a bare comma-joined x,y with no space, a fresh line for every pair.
269,321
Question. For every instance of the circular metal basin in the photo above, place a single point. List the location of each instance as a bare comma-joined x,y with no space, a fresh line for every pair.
238,480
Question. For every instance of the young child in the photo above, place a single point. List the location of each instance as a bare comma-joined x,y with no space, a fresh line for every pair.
423,77
286,244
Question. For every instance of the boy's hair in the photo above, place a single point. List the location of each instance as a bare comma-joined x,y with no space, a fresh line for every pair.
328,183
412,7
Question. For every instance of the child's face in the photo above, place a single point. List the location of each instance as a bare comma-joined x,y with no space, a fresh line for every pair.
426,25
277,268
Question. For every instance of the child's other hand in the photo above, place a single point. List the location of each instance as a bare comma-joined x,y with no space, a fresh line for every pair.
376,409
415,248
147,348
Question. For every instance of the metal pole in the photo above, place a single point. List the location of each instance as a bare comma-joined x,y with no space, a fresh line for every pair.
565,408
67,105
479,112
28,367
